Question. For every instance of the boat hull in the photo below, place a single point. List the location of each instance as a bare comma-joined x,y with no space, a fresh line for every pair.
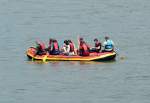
106,56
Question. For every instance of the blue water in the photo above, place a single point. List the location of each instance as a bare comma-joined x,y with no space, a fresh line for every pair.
125,80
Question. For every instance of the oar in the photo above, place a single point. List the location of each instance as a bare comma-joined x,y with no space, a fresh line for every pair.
45,58
32,59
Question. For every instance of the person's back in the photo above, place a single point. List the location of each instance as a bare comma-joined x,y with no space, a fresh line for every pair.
49,49
84,49
55,48
40,48
108,45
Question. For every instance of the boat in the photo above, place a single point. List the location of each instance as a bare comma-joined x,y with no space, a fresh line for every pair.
104,56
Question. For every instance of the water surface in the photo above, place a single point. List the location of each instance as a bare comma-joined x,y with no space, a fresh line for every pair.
125,80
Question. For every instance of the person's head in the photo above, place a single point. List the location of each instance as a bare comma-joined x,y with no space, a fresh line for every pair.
106,37
54,40
81,39
95,40
50,40
69,41
65,41
82,42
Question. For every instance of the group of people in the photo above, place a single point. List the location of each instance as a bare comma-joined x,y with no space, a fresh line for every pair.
69,48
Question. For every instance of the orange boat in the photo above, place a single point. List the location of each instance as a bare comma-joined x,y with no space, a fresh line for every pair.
106,56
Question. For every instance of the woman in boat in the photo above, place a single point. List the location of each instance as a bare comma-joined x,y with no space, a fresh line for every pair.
108,45
84,49
54,48
40,48
97,47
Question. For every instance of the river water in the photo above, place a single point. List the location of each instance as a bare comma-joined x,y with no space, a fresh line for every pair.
126,80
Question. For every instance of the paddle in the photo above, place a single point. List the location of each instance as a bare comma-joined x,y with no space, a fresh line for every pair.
45,58
32,59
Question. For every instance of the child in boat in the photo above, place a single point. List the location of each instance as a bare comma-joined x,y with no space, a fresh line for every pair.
97,47
108,45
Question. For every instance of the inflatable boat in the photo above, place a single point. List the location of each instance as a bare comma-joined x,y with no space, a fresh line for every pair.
105,56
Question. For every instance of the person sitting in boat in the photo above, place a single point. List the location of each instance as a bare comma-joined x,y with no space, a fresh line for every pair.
108,45
80,40
66,48
40,48
50,45
97,47
84,49
54,48
72,48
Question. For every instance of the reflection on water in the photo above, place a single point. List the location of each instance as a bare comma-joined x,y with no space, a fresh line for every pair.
37,62
96,62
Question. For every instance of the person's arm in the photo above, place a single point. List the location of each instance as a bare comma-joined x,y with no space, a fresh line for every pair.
98,47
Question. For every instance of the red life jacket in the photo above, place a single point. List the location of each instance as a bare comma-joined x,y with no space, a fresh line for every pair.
42,45
71,47
97,44
85,50
55,46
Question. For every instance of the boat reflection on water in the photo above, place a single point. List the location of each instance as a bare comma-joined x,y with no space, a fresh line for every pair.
37,62
96,62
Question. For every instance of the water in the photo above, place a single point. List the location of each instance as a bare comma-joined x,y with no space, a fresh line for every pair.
126,80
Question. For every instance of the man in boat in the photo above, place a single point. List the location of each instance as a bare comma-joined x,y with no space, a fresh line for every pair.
108,45
40,48
54,48
97,47
84,49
